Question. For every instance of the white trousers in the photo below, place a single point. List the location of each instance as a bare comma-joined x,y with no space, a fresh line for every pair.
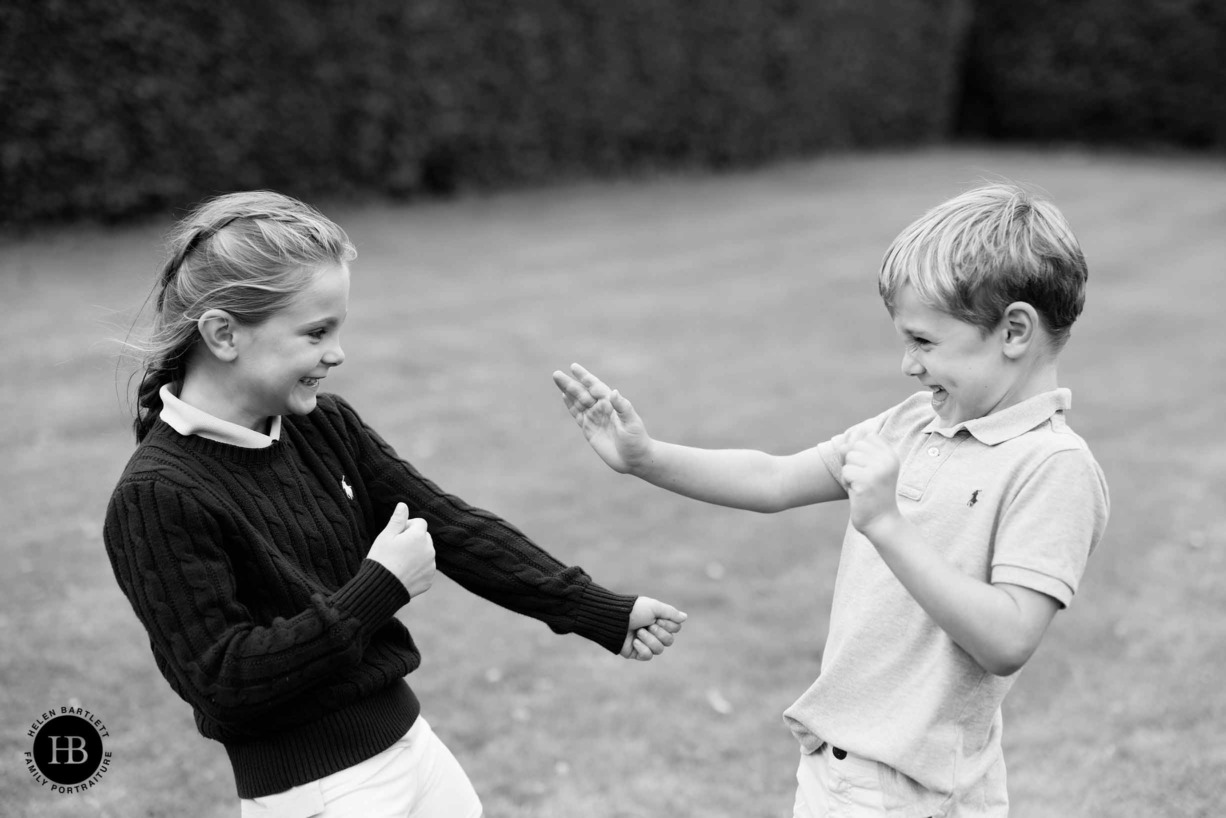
827,787
417,777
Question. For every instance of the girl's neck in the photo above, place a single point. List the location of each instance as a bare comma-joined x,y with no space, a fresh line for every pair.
203,389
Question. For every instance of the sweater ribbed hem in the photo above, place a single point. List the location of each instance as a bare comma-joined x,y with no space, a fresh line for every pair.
335,742
598,607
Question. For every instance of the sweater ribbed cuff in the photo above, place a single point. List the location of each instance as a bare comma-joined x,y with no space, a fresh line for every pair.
604,617
373,596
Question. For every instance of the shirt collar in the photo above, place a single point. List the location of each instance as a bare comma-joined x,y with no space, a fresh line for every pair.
188,420
1009,423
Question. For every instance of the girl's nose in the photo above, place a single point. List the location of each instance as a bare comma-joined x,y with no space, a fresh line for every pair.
334,356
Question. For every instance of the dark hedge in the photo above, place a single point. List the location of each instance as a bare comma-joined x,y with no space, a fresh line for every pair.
1123,73
117,107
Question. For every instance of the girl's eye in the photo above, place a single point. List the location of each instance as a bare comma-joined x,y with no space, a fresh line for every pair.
318,334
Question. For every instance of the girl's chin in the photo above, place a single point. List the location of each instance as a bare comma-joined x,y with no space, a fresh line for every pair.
303,403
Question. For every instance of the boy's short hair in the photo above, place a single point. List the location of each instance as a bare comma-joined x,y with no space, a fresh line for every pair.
977,253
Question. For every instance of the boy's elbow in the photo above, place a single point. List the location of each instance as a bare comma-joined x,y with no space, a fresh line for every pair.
1002,667
768,505
1007,660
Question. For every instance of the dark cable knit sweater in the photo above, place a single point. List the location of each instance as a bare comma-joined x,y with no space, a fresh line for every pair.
247,568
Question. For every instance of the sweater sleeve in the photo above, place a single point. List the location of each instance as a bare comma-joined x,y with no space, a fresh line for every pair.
166,549
487,555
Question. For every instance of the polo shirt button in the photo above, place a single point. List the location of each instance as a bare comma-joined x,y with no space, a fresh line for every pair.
934,451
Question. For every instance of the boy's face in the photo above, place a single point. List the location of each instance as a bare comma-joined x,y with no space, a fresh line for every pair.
968,372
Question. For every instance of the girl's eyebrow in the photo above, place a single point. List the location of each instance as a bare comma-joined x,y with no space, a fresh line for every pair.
329,322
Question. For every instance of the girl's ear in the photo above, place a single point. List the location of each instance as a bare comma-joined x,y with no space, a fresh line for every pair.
216,329
1021,328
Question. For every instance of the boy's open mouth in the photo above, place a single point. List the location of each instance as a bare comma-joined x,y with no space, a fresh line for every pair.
938,395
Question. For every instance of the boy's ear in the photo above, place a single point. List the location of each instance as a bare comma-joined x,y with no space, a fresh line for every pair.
216,329
1021,325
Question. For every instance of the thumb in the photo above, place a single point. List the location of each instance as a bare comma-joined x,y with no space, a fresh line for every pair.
662,610
624,410
400,517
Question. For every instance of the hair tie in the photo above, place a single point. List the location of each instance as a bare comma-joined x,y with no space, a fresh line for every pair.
199,237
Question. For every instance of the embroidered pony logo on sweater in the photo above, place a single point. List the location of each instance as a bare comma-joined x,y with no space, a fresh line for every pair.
348,488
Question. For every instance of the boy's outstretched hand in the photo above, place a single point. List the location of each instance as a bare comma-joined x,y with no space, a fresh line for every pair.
652,626
608,421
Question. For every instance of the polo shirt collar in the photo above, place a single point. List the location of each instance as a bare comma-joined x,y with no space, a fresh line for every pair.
1009,423
187,420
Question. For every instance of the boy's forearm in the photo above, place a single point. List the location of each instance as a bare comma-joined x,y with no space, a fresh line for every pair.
737,478
982,619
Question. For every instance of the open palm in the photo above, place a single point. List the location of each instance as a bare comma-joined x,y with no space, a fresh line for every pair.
610,424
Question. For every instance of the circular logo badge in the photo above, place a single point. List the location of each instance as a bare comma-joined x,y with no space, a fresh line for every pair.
68,755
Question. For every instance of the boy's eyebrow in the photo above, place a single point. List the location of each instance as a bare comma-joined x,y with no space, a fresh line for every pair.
914,331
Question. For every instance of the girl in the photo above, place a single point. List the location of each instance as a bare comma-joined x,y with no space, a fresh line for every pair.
261,531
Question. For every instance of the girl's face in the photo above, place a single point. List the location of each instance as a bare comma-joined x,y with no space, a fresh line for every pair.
281,362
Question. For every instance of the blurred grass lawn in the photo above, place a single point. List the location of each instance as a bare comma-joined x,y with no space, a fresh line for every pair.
737,310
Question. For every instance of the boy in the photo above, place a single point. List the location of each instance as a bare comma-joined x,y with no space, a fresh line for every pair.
973,509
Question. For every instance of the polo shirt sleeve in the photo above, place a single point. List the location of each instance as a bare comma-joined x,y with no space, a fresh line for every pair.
829,452
1051,525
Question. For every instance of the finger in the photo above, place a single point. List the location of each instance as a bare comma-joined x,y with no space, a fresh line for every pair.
597,387
851,476
642,652
665,637
646,637
669,625
573,390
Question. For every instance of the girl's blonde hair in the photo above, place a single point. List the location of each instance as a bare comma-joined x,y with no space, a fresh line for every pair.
979,252
248,254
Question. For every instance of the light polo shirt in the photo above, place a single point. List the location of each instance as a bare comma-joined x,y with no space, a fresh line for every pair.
187,420
1013,497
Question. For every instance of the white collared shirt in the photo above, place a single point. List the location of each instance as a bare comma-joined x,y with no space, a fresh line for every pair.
188,420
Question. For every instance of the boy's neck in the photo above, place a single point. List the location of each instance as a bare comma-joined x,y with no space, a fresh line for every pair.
1037,377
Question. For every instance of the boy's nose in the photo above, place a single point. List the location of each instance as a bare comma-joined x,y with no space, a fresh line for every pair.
910,366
